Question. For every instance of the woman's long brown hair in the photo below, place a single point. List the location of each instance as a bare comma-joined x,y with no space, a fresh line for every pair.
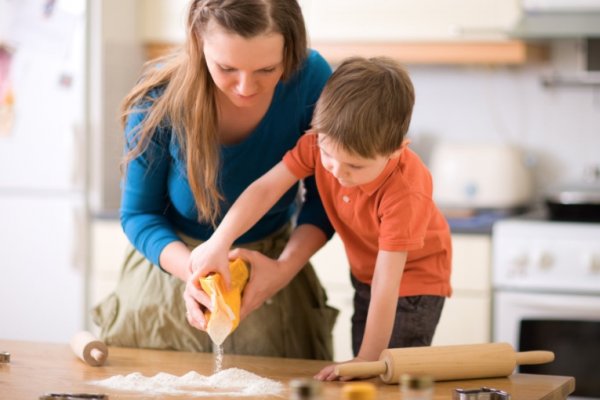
188,102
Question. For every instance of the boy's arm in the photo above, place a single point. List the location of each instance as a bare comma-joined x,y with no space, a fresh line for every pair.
382,310
254,202
250,206
384,299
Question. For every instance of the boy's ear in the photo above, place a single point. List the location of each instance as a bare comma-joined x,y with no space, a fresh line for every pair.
397,153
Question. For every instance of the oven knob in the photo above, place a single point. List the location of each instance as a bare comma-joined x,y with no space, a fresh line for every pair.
593,263
518,264
543,260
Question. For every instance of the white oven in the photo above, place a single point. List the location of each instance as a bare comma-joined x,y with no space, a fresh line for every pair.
546,279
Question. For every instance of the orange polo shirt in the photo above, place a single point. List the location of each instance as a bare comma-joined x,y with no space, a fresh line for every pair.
394,212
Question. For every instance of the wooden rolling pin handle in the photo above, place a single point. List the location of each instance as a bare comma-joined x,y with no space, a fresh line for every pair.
534,357
98,355
360,369
89,349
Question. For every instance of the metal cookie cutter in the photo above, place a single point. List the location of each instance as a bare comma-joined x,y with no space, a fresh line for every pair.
484,393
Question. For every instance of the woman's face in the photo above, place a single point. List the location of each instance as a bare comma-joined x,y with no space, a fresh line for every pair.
246,71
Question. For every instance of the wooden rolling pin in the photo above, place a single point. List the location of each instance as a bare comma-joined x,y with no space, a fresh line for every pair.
446,363
89,349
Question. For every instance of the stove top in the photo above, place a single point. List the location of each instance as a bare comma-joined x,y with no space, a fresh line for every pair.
478,220
533,253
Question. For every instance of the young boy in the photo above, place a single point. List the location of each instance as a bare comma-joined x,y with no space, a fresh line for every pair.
378,196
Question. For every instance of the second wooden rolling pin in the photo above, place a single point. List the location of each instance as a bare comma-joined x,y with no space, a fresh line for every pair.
446,363
89,349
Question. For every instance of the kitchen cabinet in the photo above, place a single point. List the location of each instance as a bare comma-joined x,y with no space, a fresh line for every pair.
413,32
409,20
109,245
161,21
332,266
466,317
354,21
419,32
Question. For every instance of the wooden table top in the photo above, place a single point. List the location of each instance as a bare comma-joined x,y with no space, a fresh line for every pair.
40,368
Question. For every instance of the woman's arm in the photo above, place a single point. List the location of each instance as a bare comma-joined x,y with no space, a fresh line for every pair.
384,299
144,201
175,259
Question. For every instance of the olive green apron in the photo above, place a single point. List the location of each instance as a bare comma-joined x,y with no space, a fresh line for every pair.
147,310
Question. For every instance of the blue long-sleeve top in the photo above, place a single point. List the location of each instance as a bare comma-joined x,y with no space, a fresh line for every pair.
156,197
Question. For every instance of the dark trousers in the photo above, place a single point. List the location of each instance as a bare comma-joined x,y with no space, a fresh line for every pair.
415,323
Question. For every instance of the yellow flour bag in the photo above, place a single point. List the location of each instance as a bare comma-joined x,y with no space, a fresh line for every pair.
226,303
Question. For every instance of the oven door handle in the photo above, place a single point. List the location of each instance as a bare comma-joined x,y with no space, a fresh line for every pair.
569,308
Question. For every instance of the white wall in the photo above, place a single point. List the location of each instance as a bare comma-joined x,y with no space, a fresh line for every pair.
559,127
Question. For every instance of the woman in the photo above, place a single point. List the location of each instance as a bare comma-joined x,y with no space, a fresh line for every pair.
200,126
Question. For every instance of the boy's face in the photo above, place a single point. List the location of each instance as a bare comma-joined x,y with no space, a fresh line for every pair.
349,169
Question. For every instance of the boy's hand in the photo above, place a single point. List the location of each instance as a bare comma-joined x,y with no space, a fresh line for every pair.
209,257
328,373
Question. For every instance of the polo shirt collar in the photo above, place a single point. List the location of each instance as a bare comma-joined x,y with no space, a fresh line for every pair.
371,187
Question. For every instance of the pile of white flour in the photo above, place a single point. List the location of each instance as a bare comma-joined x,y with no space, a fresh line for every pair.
229,382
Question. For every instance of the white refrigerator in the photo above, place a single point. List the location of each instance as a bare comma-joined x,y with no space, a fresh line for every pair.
43,142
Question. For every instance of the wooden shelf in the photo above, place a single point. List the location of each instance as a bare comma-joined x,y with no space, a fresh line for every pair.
155,50
508,52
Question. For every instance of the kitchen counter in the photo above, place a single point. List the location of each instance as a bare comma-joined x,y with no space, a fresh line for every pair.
40,368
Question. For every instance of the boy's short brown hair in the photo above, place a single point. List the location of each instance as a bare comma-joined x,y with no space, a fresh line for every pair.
366,106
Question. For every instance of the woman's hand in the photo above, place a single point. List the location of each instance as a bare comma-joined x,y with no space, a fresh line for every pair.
196,302
209,257
266,279
328,373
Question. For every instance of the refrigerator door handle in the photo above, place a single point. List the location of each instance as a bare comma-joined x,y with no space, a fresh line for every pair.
79,155
79,250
